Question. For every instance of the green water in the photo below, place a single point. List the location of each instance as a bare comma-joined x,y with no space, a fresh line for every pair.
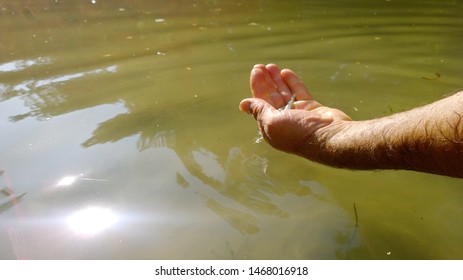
121,136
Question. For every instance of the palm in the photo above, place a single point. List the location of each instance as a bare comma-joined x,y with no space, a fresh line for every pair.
285,130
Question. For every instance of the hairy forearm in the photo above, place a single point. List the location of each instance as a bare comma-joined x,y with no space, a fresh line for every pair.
428,139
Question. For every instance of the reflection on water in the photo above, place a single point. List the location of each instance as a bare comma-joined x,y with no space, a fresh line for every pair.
19,65
28,86
9,199
10,202
41,94
68,181
120,122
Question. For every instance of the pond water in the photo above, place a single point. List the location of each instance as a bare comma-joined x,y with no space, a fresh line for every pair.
121,136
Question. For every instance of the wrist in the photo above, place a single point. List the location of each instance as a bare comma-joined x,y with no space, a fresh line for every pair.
355,145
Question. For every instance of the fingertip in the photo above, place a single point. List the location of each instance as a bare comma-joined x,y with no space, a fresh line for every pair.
256,70
286,71
273,69
245,106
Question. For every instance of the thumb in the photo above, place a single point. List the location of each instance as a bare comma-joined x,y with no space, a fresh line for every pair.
255,106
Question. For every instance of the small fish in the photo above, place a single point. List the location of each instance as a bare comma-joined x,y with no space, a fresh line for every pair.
291,102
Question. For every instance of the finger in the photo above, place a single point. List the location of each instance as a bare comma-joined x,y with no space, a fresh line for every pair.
263,86
260,86
256,107
282,87
306,105
295,85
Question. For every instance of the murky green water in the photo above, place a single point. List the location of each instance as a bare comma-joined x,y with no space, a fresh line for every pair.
121,135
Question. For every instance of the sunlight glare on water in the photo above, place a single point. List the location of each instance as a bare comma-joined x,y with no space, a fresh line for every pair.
91,221
66,181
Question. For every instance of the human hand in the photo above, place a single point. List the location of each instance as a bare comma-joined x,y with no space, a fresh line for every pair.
288,130
426,139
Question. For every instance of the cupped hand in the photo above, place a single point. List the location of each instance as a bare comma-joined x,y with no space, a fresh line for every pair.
287,130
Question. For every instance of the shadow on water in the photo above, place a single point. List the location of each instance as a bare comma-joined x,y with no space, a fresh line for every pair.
173,76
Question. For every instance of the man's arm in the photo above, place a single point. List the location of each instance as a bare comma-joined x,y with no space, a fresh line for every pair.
427,139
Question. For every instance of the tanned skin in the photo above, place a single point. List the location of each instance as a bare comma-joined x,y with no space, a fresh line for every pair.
427,139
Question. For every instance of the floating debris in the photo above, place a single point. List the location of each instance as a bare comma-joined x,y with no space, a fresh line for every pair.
438,75
6,191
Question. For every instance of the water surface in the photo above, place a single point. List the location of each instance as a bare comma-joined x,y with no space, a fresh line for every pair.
122,139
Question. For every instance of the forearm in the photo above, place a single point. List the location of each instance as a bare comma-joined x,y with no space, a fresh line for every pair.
428,139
